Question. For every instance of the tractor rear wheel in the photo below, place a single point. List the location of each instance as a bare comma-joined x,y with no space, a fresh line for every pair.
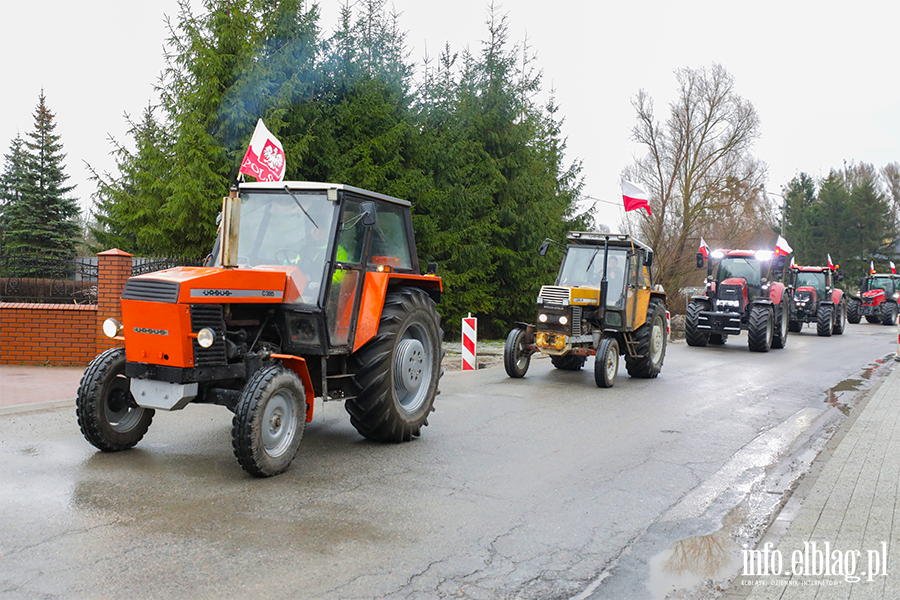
268,421
718,339
888,313
515,359
853,311
397,371
569,362
107,414
606,363
760,329
782,313
692,333
840,319
651,343
824,320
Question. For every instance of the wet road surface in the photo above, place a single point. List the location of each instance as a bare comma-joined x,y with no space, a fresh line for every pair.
544,487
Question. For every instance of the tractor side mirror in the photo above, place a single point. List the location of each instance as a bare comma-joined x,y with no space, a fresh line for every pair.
838,276
699,260
369,218
545,245
648,258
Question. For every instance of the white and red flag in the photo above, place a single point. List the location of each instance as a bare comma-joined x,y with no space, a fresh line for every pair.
704,249
893,268
830,264
782,248
635,197
265,157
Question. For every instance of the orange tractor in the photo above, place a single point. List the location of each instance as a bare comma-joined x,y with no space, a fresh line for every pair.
312,290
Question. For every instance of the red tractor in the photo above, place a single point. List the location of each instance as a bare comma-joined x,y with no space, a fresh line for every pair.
877,300
817,300
744,291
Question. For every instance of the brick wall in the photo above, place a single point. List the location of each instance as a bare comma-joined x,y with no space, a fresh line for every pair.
65,334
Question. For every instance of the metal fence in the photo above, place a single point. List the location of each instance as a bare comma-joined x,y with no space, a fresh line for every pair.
43,280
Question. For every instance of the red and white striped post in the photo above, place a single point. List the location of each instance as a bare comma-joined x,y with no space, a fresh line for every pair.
897,357
469,338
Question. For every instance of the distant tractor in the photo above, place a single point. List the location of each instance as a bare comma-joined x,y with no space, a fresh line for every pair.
745,291
877,300
817,300
313,290
603,304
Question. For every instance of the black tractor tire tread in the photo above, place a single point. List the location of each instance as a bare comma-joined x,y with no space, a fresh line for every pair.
824,320
757,329
853,315
692,335
242,424
888,313
374,412
840,321
569,362
781,315
509,355
87,409
643,367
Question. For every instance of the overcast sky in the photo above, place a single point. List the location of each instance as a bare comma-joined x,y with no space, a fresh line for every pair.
823,76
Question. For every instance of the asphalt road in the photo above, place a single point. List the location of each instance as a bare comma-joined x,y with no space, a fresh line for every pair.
544,487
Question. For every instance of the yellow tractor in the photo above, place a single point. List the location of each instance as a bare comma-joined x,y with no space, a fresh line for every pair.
603,304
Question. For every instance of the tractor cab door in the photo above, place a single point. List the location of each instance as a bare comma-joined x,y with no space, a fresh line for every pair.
630,290
346,273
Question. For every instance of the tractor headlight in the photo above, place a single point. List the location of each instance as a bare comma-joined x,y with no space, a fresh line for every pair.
542,318
206,337
563,320
896,295
111,328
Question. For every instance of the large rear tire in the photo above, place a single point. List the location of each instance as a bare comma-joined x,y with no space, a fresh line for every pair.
397,371
107,414
853,311
269,421
515,359
782,314
606,363
760,328
692,333
569,362
651,343
825,320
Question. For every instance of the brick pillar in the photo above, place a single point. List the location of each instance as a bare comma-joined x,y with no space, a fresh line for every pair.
113,270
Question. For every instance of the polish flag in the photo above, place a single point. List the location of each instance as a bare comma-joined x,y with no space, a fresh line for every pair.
830,264
893,268
265,157
635,197
704,249
782,248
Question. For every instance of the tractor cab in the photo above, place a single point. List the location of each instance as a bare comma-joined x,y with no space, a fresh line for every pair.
879,294
817,300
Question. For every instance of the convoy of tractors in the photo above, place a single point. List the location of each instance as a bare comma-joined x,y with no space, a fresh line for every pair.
314,290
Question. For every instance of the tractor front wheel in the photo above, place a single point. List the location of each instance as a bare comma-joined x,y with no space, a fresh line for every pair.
397,371
107,414
515,358
692,333
268,421
606,363
760,329
569,362
889,313
824,320
853,311
651,344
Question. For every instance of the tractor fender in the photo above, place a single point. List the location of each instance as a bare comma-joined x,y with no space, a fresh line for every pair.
298,366
837,296
375,288
701,298
776,292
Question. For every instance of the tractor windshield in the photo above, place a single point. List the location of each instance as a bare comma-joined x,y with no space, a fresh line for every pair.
284,230
743,267
880,283
813,280
583,267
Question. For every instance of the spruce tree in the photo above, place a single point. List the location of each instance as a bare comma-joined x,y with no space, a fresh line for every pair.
39,218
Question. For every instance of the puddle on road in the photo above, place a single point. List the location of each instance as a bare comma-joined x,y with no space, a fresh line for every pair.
834,395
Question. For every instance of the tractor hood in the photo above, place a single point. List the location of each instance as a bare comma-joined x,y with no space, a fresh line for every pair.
217,285
735,281
873,294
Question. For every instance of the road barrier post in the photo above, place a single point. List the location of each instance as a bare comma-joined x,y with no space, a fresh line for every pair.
469,339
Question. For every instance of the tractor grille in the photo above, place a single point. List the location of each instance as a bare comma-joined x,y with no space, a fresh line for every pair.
555,295
576,320
151,290
209,315
730,297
